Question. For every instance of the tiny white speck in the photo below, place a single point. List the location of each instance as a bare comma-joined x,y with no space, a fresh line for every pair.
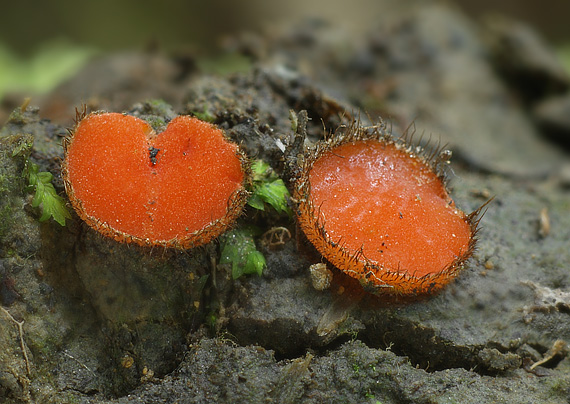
280,145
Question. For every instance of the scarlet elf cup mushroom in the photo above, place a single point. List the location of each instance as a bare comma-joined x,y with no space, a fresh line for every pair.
379,210
180,188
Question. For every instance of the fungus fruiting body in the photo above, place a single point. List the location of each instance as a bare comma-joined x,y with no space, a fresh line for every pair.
380,212
179,188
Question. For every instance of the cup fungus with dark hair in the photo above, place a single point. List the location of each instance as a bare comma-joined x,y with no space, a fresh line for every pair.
180,188
379,210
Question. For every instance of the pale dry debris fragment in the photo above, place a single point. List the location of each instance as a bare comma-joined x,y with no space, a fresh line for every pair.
276,237
336,314
481,193
546,300
321,276
544,223
127,361
559,348
147,375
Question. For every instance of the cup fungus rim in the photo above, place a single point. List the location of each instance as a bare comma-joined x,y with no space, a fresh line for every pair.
235,204
391,282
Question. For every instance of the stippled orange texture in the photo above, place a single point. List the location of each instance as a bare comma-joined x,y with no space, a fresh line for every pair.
195,172
378,197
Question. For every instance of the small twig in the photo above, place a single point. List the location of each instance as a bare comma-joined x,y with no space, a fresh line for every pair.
294,150
20,325
79,362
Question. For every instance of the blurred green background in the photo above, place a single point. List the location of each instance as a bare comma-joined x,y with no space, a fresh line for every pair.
41,43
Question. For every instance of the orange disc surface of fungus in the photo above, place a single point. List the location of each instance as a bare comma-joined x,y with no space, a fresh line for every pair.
382,214
179,188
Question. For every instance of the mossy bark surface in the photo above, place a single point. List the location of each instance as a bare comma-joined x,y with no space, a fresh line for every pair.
105,322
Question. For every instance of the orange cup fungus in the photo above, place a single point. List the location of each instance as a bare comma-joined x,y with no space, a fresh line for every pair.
381,213
180,188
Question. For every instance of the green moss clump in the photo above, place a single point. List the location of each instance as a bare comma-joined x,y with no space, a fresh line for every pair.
204,115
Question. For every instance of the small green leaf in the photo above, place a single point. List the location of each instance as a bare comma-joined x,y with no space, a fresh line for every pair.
46,197
31,171
256,202
255,263
39,195
54,206
268,188
274,193
45,177
238,249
